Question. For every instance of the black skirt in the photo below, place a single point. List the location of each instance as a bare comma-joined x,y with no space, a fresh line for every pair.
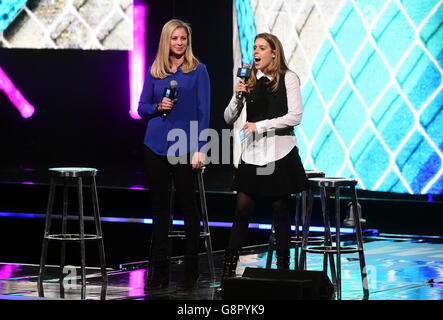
288,177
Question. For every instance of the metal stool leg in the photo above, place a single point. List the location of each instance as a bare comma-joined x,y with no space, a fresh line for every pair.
63,243
204,212
82,237
297,213
271,248
359,236
306,225
338,241
327,242
45,235
171,213
171,202
98,229
327,236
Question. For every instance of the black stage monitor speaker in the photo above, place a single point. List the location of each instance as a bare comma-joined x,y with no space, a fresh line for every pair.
274,284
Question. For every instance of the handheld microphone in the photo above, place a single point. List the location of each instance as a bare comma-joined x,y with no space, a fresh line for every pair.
170,93
244,73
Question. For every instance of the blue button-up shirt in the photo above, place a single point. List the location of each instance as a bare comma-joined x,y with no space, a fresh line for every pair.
189,116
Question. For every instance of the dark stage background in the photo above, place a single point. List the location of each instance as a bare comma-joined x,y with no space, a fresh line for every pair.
82,119
82,97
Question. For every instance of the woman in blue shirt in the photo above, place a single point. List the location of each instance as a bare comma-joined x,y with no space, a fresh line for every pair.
173,145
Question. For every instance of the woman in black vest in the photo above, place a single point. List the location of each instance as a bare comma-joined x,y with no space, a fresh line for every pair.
270,165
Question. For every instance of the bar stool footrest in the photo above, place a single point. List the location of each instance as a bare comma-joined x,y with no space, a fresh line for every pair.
182,234
311,240
331,249
72,237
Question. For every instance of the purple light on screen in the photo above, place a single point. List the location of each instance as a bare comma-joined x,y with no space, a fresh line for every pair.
136,57
17,99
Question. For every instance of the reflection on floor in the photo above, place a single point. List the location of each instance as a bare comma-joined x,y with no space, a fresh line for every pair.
399,268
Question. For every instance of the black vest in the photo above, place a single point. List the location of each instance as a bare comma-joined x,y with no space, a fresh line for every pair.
264,104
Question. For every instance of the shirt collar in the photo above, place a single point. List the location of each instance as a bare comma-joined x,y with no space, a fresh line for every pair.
261,74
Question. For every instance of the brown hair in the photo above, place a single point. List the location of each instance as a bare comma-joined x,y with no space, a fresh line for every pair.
276,68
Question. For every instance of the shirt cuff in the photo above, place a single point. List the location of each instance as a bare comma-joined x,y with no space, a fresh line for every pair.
261,126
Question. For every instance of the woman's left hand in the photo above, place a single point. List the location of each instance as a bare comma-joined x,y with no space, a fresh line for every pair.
249,127
198,160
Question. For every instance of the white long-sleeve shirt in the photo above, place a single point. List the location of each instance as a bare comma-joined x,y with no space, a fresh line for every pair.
259,149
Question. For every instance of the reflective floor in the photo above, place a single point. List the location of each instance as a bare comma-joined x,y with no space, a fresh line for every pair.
399,268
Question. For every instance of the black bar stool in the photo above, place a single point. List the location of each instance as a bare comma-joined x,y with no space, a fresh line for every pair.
329,249
205,234
75,175
297,239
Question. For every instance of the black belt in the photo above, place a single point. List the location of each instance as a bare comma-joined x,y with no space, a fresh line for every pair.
280,132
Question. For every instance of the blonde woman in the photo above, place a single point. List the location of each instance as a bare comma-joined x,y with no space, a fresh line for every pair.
270,164
175,61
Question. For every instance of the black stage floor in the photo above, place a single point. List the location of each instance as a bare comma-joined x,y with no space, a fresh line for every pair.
399,268
403,242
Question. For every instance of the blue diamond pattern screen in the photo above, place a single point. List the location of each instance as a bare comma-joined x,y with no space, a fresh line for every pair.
372,93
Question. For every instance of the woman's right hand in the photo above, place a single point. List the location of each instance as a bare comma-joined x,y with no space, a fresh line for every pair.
240,87
166,104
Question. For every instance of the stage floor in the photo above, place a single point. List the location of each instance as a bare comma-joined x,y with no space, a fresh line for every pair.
399,268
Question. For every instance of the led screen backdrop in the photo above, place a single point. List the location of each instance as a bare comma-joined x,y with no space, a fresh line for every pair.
371,75
66,24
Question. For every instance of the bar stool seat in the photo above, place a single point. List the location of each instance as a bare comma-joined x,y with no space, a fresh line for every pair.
72,176
297,239
73,172
205,233
328,249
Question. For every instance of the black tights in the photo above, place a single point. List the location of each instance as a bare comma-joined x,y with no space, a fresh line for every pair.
243,212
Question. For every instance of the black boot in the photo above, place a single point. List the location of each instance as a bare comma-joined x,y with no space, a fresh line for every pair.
282,259
158,275
190,274
229,267
230,264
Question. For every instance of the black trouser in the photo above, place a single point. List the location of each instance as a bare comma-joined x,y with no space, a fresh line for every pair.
245,208
158,172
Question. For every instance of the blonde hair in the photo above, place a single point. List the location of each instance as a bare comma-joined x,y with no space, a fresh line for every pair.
276,68
160,68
